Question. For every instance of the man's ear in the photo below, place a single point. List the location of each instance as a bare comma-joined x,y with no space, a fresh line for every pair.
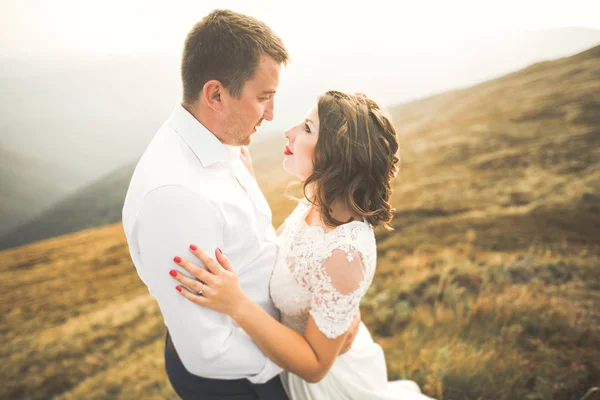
211,93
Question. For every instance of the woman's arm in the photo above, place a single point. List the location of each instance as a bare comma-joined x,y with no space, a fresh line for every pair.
309,356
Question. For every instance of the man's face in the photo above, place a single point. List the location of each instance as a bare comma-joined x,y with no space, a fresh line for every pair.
243,115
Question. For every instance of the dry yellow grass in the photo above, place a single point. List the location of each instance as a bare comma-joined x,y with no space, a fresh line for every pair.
488,288
73,308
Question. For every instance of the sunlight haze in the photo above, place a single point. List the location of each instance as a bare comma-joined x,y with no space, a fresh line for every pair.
73,73
136,26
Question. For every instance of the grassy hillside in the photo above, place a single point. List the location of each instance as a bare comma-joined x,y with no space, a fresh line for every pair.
516,159
488,288
82,319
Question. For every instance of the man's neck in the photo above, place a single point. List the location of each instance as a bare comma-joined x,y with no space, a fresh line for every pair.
203,118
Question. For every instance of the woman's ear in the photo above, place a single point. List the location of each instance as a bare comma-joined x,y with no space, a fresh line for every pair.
211,93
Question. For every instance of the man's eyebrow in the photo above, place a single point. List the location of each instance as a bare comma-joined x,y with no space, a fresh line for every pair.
268,92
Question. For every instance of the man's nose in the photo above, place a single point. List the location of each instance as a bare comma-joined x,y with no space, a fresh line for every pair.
269,113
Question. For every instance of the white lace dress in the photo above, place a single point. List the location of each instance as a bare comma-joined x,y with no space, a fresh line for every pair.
324,275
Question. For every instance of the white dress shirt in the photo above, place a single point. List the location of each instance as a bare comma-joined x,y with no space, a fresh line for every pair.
189,188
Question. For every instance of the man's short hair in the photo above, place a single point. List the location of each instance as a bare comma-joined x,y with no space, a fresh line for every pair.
226,46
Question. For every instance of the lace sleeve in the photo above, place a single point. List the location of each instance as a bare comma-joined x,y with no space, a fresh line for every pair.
337,289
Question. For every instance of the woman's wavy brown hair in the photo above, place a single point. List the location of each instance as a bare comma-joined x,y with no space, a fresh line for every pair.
355,158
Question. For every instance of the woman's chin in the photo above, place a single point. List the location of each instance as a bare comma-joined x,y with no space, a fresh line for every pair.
290,170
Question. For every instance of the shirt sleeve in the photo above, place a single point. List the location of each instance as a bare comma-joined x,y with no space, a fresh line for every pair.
208,343
337,290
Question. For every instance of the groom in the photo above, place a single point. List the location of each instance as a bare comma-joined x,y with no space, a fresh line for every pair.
191,186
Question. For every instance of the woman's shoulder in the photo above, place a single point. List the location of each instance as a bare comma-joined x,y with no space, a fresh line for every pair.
354,235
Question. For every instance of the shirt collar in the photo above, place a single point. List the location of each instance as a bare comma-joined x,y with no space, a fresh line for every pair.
205,145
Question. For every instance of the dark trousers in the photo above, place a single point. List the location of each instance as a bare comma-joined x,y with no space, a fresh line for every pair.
190,386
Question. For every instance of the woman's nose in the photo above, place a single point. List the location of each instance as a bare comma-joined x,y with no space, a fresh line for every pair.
288,134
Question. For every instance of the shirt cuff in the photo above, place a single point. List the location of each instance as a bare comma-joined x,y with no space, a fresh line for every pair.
269,371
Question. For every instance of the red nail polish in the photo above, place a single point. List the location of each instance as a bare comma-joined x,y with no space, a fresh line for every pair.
177,259
220,251
178,288
193,247
173,272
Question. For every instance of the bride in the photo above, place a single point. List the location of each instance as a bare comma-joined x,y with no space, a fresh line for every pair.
345,152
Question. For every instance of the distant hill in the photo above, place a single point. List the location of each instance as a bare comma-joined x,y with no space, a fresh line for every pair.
99,203
28,185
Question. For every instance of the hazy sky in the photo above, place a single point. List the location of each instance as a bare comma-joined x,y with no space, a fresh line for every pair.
134,26
95,60
327,39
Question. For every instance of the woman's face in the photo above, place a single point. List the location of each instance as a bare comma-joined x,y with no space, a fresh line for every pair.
302,140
